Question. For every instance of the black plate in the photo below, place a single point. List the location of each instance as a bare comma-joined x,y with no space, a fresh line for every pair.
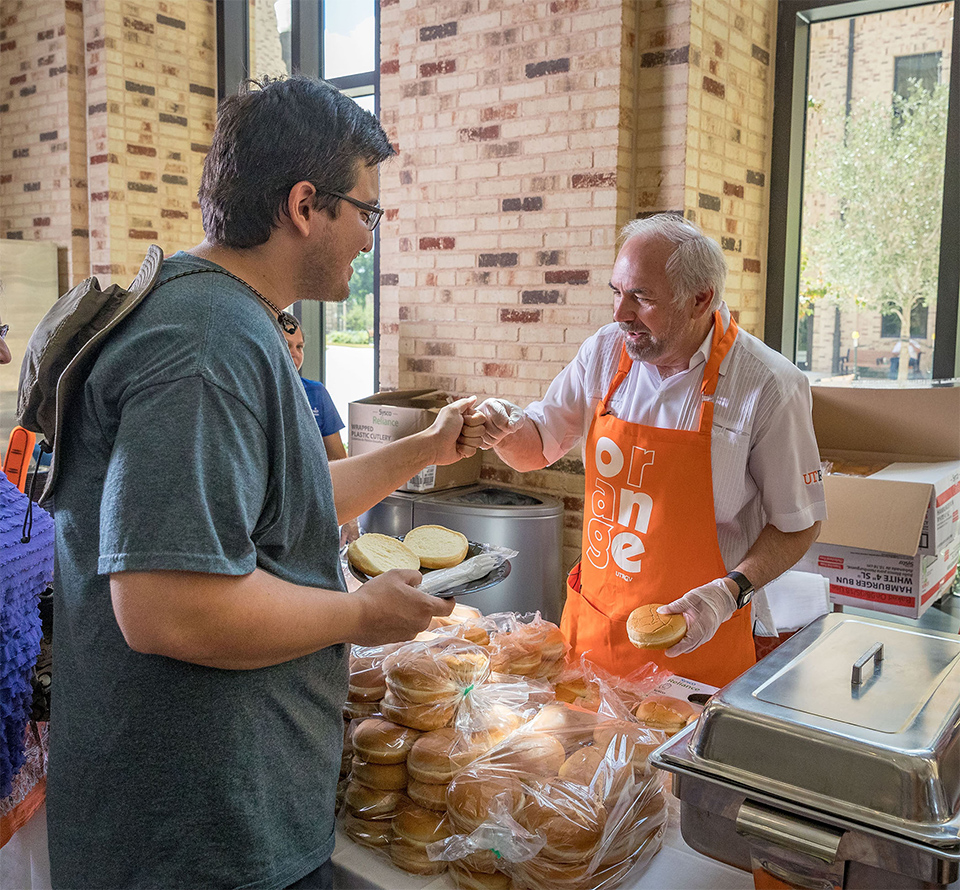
491,579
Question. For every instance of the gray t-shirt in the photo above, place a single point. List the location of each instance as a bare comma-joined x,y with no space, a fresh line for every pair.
194,449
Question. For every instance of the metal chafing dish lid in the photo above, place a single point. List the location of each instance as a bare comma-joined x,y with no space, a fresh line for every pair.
881,748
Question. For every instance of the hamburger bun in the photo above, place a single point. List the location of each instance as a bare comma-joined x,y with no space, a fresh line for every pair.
582,766
372,803
421,826
666,713
383,776
514,657
368,832
428,796
414,859
436,757
572,725
568,817
537,753
375,554
648,629
470,879
578,690
379,741
360,710
425,717
436,547
478,795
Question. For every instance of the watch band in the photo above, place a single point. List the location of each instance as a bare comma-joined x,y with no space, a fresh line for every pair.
745,586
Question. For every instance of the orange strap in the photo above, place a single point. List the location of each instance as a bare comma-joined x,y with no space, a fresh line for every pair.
16,461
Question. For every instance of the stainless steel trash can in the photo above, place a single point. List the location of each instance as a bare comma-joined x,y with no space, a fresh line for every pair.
525,521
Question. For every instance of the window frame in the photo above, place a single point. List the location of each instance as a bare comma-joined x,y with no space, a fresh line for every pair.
794,18
306,57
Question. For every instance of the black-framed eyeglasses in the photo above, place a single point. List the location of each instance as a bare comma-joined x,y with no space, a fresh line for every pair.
3,331
373,211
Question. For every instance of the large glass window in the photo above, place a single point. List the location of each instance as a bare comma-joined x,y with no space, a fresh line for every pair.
863,260
336,40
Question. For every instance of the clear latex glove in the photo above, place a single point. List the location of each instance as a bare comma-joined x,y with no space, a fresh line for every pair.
501,418
705,609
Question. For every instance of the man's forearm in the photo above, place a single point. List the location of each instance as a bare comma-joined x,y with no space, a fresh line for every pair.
775,552
364,480
242,622
522,450
234,622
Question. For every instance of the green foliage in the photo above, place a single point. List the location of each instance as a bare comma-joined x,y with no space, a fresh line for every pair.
351,338
876,243
352,320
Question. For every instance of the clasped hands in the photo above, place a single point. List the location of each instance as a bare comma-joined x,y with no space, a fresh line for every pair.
489,424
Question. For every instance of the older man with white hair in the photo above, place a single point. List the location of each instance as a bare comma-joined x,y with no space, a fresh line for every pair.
702,470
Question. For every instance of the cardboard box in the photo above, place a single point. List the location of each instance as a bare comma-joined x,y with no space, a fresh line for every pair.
884,582
913,505
388,416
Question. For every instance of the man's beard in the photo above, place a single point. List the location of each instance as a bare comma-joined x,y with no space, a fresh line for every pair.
649,350
316,283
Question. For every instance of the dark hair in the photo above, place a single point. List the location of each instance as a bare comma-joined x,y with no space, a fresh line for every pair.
272,135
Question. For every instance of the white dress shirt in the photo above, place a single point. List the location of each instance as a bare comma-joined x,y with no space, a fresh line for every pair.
764,456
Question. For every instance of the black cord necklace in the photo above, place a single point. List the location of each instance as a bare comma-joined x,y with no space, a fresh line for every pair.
288,323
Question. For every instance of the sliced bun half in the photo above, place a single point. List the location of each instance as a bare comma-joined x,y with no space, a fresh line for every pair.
375,554
437,547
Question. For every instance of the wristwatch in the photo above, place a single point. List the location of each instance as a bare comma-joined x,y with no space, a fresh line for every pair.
745,585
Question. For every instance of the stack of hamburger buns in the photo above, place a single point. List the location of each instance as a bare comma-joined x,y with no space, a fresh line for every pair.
485,721
375,792
577,780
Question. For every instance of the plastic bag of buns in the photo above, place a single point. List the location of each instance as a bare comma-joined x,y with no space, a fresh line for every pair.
666,712
589,686
428,681
367,682
521,645
575,780
394,795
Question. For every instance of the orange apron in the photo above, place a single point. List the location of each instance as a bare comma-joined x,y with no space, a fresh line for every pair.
650,535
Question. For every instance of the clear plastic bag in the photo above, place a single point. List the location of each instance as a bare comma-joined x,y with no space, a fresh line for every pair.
568,800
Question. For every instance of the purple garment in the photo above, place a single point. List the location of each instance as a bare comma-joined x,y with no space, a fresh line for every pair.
25,572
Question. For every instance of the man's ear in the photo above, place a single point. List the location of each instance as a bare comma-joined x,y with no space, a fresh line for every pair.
300,209
701,302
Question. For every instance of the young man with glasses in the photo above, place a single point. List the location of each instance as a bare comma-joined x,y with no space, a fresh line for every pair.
202,622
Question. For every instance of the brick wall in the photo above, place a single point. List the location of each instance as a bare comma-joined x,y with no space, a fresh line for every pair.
107,108
151,104
43,192
528,133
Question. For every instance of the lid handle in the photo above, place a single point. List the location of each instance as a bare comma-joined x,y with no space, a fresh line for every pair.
875,652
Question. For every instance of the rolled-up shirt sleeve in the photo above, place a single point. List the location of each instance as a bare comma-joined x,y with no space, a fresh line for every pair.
785,462
562,415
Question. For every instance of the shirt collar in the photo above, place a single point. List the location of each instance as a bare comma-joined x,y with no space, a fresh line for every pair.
703,353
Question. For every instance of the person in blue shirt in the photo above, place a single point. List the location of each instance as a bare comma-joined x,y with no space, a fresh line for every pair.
328,418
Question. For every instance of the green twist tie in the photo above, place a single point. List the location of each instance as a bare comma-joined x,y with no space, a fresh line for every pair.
497,854
466,692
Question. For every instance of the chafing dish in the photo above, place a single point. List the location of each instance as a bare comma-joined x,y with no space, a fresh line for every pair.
834,762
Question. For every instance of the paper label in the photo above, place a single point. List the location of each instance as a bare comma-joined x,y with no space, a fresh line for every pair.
425,480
